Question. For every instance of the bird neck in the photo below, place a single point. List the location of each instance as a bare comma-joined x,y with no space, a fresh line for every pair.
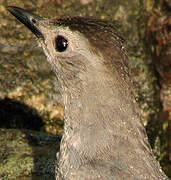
98,110
96,100
103,128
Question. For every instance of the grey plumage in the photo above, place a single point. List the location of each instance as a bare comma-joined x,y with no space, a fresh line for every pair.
103,134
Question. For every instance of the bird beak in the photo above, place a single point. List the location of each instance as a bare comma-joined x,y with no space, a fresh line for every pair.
29,20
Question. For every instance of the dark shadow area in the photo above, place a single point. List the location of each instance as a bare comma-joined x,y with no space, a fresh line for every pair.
45,146
159,138
16,115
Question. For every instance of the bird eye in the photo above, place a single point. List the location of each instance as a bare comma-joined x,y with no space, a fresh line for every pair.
61,43
33,20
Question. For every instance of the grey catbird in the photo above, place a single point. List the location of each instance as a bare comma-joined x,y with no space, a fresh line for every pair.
103,138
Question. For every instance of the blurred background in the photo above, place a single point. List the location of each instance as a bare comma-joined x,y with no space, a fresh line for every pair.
31,117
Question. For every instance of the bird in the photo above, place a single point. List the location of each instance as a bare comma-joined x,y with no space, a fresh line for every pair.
103,138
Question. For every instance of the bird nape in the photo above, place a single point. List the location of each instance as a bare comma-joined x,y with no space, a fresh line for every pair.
103,134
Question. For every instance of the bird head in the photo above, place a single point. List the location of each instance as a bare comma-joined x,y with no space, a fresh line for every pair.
76,46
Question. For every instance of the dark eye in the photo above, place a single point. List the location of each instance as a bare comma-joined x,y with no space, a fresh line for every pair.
33,20
61,43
